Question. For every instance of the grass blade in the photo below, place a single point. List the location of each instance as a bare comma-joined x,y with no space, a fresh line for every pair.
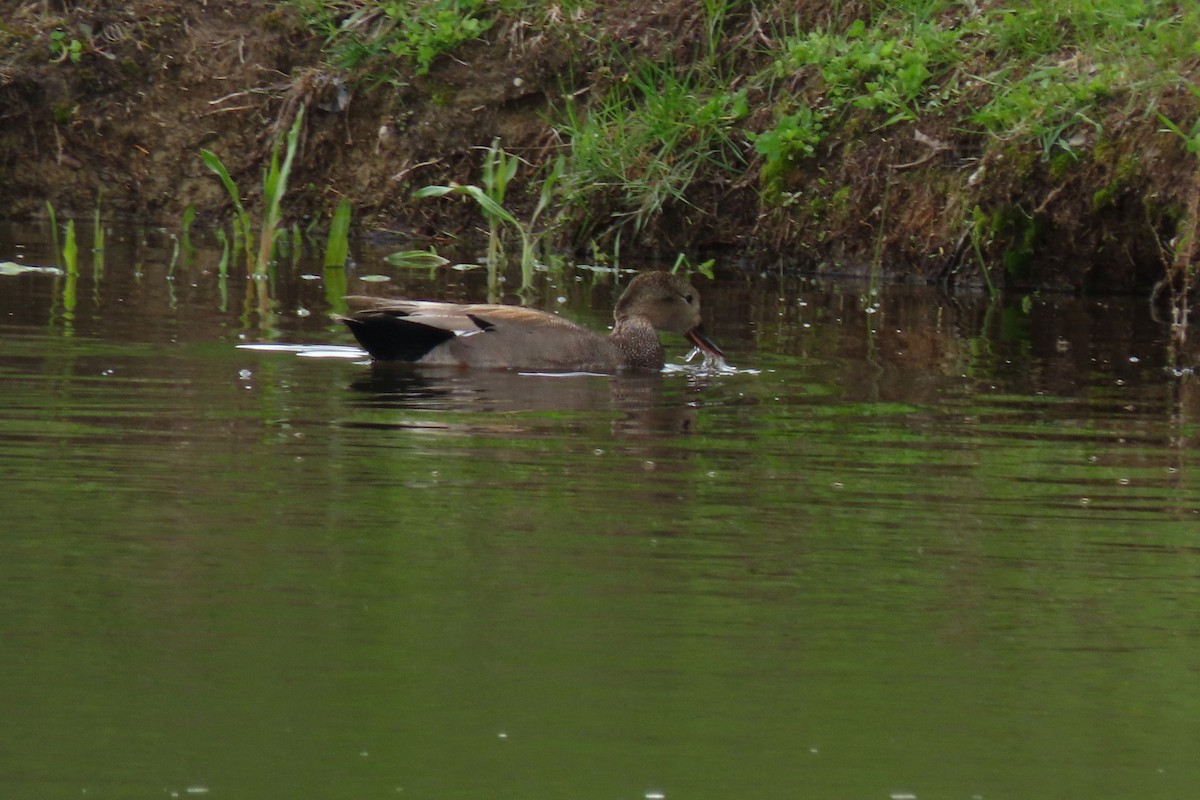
337,247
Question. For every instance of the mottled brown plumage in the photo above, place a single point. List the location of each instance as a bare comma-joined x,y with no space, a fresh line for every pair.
515,337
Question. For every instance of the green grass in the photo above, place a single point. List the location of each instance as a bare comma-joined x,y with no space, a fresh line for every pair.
889,68
1027,73
1057,65
364,36
650,138
761,91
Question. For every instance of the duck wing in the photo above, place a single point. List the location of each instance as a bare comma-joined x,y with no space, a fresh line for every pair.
479,335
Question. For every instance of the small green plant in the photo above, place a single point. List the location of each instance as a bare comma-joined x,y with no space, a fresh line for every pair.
98,243
97,229
491,210
275,180
185,230
243,236
70,250
337,246
684,264
337,253
64,48
499,168
1190,137
415,31
417,259
873,68
794,137
979,223
53,228
223,261
274,187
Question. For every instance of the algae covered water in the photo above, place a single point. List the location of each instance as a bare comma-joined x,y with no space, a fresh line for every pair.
915,546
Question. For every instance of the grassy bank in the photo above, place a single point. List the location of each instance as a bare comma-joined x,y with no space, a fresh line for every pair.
1053,145
940,134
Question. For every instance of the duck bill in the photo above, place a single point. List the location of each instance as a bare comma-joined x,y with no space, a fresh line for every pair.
700,340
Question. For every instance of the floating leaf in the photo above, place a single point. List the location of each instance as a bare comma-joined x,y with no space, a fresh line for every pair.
416,259
13,268
337,248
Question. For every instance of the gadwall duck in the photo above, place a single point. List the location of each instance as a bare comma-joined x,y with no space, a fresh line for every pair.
515,337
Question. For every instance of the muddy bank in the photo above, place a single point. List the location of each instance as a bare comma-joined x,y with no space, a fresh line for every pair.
122,117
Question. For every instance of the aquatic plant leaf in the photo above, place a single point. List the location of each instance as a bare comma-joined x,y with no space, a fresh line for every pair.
213,162
337,247
70,251
53,227
416,259
489,206
274,187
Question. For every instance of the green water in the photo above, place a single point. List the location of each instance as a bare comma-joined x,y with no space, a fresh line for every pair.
920,546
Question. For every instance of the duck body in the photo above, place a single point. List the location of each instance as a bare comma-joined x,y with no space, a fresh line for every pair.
515,337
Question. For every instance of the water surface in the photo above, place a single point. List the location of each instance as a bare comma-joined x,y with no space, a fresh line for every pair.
920,546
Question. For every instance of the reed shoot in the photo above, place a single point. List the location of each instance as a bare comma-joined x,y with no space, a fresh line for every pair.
337,246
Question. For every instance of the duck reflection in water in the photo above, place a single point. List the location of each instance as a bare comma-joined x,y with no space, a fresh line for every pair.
642,401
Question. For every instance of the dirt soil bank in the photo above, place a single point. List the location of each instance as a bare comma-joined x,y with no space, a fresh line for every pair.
158,80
